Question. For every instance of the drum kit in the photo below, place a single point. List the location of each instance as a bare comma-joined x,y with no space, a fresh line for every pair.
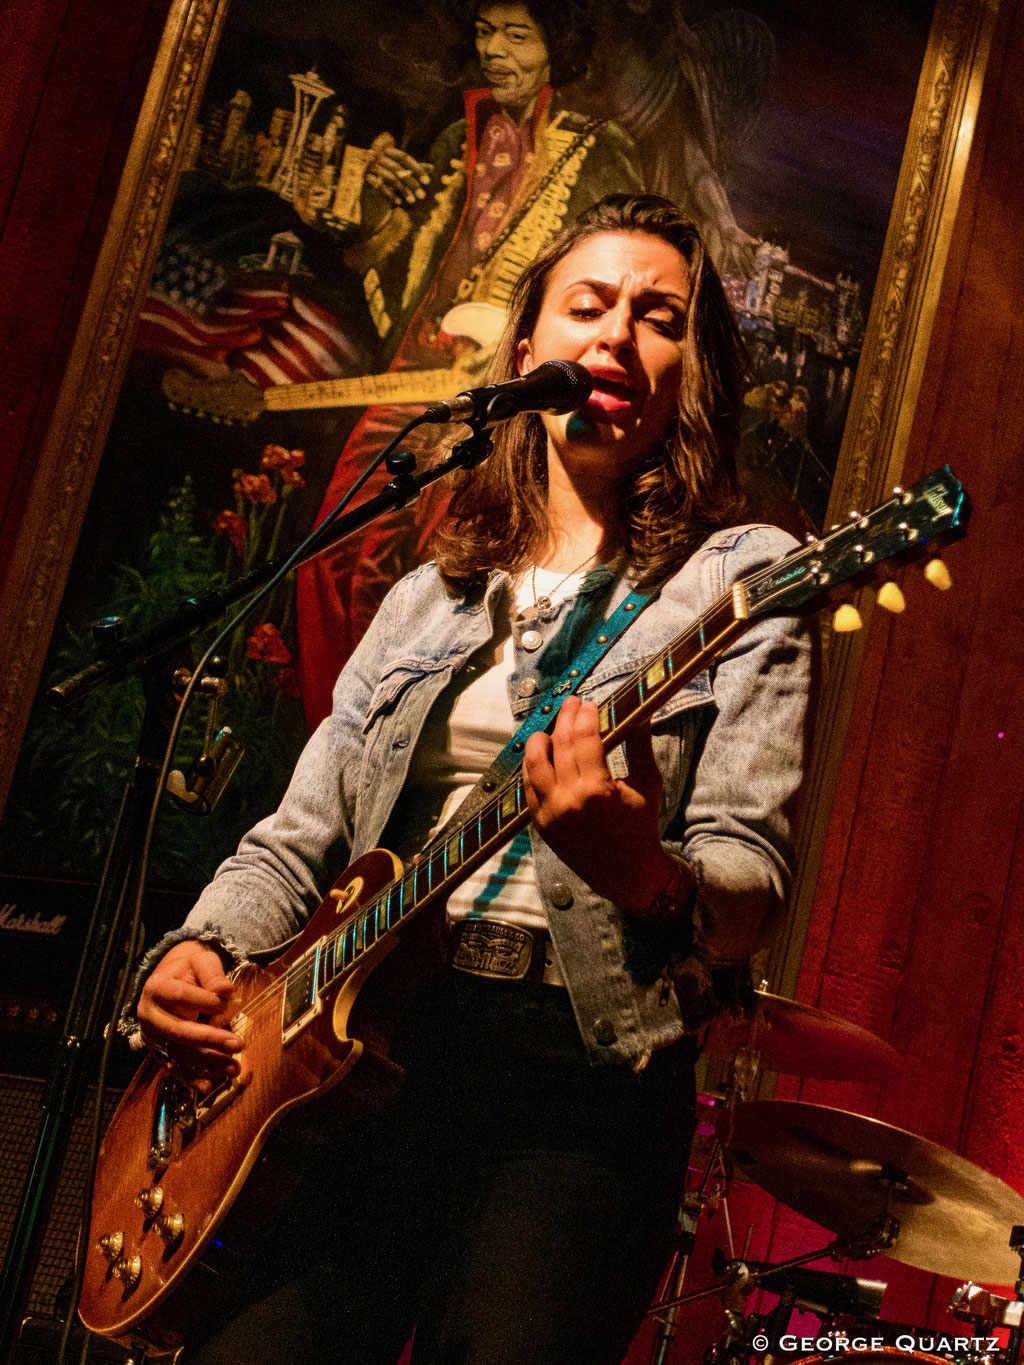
874,1188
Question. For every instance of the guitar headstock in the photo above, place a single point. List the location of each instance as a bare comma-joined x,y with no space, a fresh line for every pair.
231,399
866,547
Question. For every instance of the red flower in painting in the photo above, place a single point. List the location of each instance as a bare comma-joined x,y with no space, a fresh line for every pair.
292,477
287,681
267,644
233,526
276,457
255,488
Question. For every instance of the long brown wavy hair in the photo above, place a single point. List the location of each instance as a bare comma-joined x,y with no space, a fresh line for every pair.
684,490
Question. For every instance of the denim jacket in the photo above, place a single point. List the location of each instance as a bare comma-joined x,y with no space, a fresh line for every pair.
730,747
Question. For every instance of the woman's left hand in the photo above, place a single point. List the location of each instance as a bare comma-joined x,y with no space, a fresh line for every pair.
605,829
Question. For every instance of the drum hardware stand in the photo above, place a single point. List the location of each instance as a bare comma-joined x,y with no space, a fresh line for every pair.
750,1275
836,1250
883,1232
111,939
831,1297
744,1072
742,1278
971,1303
740,1284
693,1205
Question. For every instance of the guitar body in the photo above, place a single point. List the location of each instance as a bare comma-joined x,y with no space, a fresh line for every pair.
225,1169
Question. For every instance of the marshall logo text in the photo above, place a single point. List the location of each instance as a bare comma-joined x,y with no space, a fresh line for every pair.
29,924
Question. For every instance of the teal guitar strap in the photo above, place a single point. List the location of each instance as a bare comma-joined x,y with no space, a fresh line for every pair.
542,717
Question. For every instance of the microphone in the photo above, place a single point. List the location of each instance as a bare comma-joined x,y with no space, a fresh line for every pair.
555,386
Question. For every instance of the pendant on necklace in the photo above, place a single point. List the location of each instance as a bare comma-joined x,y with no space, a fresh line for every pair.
543,603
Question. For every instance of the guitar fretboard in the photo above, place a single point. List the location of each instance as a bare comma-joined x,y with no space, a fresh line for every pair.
395,386
449,859
937,505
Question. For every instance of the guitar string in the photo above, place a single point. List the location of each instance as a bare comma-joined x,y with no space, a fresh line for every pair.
694,631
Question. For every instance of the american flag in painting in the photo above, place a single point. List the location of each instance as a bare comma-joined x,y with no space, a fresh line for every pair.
261,327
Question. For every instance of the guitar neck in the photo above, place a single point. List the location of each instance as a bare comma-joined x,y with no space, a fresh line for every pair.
394,386
937,506
445,863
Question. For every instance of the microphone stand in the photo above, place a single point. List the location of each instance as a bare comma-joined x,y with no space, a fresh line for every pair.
154,654
200,612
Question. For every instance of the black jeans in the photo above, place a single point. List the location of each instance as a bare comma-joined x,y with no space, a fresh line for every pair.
515,1205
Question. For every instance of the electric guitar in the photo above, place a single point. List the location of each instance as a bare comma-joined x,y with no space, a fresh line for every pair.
234,398
187,1183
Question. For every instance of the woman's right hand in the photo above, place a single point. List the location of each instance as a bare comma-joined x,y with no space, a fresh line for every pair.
186,988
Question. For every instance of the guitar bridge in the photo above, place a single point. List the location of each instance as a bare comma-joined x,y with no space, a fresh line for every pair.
218,1100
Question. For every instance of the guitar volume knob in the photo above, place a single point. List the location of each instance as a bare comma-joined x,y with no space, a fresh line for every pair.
150,1201
128,1269
112,1244
171,1227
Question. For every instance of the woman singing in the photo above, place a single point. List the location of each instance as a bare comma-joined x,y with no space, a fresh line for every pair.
516,1203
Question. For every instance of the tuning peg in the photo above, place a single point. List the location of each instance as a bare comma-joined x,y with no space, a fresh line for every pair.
890,597
847,618
937,574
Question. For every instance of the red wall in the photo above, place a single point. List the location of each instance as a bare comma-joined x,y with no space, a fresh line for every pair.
73,78
918,923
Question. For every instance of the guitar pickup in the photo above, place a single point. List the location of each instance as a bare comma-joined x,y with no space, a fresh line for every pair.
294,1027
302,1001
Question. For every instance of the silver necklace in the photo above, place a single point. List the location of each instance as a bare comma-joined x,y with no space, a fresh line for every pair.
531,637
543,603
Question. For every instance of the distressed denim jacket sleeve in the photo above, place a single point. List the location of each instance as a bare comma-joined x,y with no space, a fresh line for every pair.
733,824
263,893
730,747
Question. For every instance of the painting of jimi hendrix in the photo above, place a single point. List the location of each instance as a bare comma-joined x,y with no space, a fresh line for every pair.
434,241
496,184
358,195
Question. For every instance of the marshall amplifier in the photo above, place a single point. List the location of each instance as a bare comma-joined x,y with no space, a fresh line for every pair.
43,925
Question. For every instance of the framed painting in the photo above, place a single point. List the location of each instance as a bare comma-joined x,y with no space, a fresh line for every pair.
321,219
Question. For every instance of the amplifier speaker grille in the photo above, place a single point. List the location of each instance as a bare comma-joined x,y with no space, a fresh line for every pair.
20,1117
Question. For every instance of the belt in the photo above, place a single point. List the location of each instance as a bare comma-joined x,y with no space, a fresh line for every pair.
503,952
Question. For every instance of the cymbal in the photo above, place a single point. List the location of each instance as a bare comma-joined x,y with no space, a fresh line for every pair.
954,1218
801,1040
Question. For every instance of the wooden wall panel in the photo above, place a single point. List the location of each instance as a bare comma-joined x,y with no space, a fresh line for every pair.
918,923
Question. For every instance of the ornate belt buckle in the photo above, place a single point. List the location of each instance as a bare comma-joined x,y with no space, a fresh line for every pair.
489,948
